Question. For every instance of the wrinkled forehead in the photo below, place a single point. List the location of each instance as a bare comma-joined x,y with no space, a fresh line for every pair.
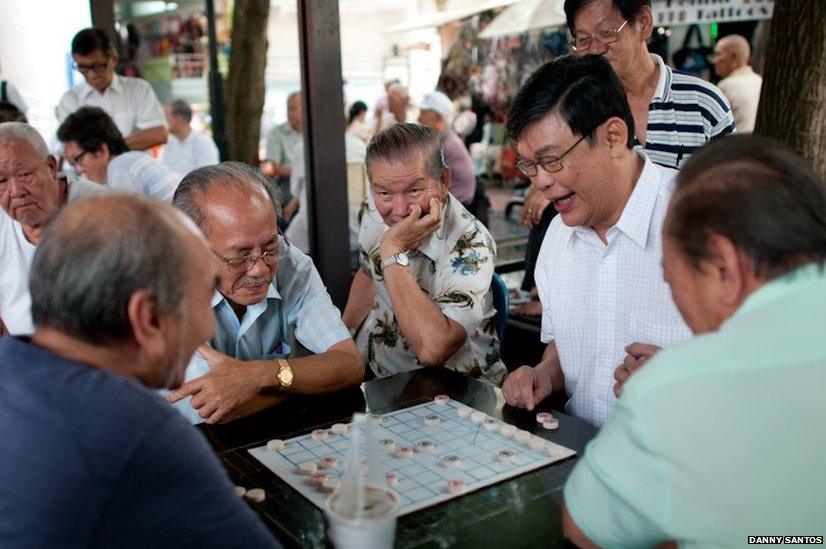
19,152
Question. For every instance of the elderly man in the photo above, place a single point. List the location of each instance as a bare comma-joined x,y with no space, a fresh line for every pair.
90,456
31,194
422,296
95,147
398,101
599,272
740,84
674,114
436,112
267,291
691,454
186,149
130,102
282,143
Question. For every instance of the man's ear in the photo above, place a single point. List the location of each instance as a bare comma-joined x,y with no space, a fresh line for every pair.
730,268
103,150
51,162
447,177
147,323
645,22
615,132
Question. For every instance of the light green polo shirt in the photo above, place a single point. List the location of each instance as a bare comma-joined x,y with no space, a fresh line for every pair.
719,438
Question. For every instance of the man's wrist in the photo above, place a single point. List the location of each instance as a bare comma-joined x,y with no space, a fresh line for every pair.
388,250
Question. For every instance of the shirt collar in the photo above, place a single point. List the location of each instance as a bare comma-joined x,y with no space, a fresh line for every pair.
781,287
434,246
635,220
114,85
218,297
663,91
739,71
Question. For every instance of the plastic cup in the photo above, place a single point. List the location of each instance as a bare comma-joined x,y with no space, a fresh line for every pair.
375,530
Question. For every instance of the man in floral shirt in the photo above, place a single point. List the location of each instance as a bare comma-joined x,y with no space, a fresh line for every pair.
422,296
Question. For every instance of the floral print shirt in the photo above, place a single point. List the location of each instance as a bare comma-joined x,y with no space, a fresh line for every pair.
454,267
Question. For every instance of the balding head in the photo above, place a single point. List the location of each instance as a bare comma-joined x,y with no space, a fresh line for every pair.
123,270
397,101
730,53
20,132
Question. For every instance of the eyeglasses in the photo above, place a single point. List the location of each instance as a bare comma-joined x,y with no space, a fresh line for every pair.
238,265
98,67
77,158
582,42
551,164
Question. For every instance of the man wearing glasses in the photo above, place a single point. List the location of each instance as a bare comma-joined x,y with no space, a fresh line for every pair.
267,292
674,114
130,102
599,272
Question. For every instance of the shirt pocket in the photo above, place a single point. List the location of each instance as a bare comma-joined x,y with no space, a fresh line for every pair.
661,335
282,350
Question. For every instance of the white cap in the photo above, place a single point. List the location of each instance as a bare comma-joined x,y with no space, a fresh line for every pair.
439,102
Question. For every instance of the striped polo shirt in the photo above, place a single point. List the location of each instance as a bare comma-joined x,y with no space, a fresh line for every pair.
685,113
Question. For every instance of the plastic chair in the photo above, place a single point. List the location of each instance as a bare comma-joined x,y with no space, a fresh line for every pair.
501,303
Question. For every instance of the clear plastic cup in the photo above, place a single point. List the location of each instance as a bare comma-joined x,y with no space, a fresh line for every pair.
376,529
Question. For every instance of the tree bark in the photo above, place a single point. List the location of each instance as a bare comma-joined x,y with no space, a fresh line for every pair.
245,82
793,99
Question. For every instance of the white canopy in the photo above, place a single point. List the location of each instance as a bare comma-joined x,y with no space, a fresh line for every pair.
524,16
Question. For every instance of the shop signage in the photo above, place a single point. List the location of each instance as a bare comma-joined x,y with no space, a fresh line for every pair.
689,12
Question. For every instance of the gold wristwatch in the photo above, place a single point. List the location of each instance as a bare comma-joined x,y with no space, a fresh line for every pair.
285,374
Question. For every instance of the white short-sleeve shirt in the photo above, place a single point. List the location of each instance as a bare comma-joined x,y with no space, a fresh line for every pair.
136,172
131,102
194,152
17,253
598,298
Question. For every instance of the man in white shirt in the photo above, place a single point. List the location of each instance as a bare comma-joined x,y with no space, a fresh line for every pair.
97,150
31,194
599,272
740,84
130,102
186,149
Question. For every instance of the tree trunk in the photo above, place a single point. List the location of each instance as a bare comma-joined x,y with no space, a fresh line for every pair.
793,99
245,83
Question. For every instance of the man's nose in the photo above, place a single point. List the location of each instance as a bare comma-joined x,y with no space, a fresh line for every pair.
543,180
17,188
401,206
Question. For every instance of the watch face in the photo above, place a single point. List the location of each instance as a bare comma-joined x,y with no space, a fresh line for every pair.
404,261
285,376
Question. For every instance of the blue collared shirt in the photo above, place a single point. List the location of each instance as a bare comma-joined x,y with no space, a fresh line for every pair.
297,305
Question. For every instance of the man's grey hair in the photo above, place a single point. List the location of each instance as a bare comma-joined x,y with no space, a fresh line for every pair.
407,142
181,108
191,190
96,254
12,132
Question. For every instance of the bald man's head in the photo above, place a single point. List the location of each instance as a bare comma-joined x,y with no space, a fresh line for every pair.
731,53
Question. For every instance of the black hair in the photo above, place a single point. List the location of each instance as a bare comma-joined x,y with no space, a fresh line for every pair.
629,9
584,90
89,127
10,113
88,41
181,108
399,142
355,109
758,194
